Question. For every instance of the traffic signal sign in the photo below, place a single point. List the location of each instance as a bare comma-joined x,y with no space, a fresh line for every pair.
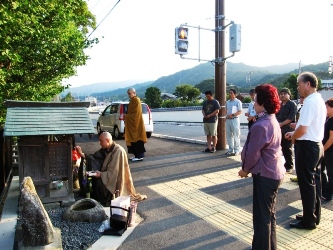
235,38
181,42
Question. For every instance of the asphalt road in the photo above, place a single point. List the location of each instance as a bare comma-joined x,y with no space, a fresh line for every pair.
189,131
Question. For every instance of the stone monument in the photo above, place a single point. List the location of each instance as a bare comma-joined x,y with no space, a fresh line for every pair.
37,229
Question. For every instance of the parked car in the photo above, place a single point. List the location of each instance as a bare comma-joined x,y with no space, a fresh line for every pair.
112,119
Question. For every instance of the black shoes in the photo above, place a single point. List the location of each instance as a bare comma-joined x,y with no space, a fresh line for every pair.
299,225
289,170
300,217
323,198
207,150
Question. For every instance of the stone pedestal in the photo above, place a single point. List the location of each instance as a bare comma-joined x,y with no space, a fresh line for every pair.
55,245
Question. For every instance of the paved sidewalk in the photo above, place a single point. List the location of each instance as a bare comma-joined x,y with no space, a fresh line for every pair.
201,203
197,201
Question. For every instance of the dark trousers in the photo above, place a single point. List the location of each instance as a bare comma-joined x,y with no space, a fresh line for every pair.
286,146
264,219
249,124
308,156
323,176
100,193
327,179
137,148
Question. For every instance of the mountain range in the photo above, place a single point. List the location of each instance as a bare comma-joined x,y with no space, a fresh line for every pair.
238,74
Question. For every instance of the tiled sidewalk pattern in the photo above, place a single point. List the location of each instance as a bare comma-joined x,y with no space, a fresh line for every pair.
235,221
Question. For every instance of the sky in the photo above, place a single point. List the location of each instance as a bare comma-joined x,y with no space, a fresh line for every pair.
137,37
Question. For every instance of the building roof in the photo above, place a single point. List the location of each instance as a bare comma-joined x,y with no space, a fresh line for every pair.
47,118
168,95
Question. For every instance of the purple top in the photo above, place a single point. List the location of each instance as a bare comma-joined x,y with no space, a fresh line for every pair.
262,150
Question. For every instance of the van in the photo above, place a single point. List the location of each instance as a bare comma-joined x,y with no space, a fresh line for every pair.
112,119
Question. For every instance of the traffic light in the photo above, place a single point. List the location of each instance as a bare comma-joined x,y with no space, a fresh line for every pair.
235,38
181,42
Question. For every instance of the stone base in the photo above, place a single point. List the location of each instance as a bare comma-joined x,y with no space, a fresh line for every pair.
87,210
56,245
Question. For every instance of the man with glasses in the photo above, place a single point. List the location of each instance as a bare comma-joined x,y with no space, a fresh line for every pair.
234,110
307,139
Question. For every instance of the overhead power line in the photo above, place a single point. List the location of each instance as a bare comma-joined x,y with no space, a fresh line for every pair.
104,18
96,4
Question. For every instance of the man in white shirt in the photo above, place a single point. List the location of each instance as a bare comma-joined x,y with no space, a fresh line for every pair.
251,113
309,150
234,110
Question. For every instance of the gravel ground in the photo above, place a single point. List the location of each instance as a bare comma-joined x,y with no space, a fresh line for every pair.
74,235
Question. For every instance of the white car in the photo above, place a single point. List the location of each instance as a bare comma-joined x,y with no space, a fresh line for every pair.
112,119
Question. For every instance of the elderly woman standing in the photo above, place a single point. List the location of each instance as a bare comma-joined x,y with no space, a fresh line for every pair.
261,156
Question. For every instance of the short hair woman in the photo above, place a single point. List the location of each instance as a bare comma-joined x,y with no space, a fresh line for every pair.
261,156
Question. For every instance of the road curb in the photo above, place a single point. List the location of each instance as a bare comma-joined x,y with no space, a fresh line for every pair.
176,138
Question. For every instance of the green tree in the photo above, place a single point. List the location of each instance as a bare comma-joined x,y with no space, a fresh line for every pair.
246,99
68,98
153,97
320,86
291,83
171,103
41,43
208,84
193,94
186,92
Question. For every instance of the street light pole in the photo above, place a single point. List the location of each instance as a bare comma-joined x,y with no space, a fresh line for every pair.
220,72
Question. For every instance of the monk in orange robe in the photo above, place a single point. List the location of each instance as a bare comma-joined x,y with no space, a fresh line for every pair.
135,132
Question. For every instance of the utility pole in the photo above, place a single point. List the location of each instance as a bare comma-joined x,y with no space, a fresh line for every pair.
220,73
181,46
299,72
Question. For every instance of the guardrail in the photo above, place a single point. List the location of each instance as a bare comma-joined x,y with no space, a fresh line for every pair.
244,105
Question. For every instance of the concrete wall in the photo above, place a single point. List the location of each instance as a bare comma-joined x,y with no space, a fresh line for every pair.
326,94
186,116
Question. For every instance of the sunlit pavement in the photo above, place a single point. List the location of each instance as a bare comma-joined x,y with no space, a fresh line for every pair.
201,192
197,201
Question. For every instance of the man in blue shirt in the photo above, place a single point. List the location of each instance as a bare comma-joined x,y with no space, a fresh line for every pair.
251,113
